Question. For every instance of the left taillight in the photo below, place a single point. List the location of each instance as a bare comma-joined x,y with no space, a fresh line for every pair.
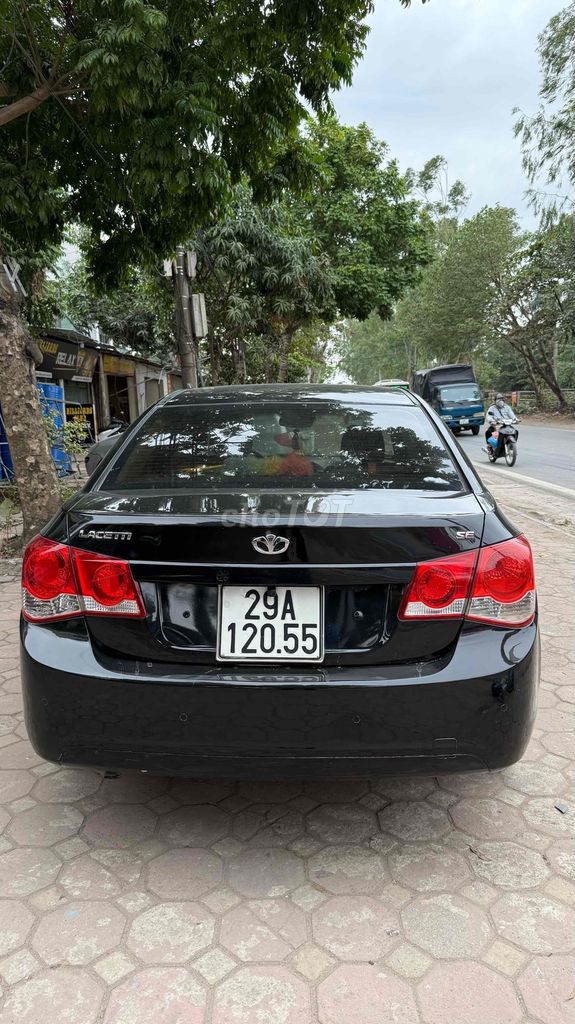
59,582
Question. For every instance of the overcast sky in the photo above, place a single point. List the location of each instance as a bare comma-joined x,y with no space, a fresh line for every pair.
444,78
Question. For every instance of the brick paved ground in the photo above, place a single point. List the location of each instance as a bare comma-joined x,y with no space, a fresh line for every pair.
419,901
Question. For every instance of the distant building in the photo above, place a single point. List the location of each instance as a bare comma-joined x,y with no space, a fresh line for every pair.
98,382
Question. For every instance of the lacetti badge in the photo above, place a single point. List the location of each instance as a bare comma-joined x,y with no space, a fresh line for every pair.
105,535
270,544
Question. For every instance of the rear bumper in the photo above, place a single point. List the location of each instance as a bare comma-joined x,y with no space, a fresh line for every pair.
473,710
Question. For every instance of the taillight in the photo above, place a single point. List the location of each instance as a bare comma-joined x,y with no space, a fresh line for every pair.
58,581
48,584
500,589
439,588
504,585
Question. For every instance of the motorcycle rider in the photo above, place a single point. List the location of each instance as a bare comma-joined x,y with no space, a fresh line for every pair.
496,413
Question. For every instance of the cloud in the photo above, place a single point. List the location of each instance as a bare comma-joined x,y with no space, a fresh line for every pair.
444,78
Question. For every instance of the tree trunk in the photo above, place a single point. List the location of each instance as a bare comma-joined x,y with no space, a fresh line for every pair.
534,384
34,472
215,355
239,359
550,377
538,365
284,358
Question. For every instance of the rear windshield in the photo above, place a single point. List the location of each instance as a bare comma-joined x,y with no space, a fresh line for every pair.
458,394
328,445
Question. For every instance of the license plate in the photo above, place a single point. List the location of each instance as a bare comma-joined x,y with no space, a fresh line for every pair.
464,419
270,624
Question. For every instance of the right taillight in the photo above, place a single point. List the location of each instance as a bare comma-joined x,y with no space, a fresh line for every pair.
503,590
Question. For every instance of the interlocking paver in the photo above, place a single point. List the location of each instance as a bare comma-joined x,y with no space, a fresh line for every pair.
159,994
508,865
467,993
266,872
64,994
119,825
184,874
67,785
447,925
25,871
341,823
408,961
411,820
84,878
78,933
368,994
413,900
535,923
249,939
15,924
546,985
196,825
348,869
45,825
428,867
356,928
170,933
15,784
262,994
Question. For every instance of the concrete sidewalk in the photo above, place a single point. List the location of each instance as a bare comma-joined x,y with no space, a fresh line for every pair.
418,901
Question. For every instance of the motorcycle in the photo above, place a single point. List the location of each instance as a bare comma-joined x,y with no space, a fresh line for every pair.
503,442
114,427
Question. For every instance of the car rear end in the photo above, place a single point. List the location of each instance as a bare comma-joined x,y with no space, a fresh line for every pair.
212,605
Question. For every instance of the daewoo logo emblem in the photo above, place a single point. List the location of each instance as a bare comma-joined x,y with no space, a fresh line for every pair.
270,544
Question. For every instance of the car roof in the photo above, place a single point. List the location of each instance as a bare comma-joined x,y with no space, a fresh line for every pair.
242,393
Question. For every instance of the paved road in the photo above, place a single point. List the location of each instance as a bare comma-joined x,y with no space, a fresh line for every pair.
422,900
545,453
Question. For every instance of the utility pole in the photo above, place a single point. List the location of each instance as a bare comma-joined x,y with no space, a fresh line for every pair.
191,324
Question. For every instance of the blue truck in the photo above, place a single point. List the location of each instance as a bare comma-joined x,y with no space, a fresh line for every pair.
454,393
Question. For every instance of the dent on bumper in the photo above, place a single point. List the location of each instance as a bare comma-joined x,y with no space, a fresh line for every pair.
473,710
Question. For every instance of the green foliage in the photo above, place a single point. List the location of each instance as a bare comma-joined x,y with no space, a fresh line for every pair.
136,117
137,315
264,282
503,299
548,138
443,319
440,199
533,307
71,436
361,211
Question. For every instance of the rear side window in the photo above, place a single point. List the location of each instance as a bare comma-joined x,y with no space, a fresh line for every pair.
327,445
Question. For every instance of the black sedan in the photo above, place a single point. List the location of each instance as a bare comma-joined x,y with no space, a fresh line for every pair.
281,581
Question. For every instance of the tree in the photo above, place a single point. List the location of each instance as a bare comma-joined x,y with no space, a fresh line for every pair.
548,138
361,211
264,279
503,298
443,318
137,315
533,308
135,119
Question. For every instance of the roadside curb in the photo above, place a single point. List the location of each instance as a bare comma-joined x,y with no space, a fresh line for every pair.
541,485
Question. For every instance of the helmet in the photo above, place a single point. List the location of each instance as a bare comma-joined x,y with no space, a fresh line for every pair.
499,396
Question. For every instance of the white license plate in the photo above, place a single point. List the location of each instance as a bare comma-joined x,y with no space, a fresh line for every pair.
270,624
464,419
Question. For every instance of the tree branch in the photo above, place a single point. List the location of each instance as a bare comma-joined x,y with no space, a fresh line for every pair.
26,103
